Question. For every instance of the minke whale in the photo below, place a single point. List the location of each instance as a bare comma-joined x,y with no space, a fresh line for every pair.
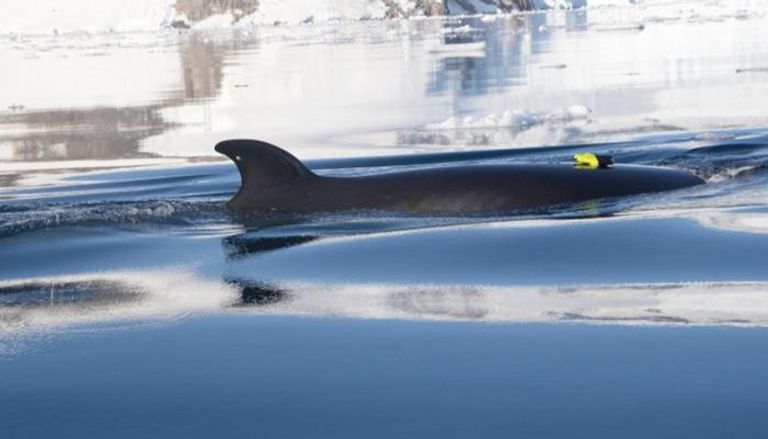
274,181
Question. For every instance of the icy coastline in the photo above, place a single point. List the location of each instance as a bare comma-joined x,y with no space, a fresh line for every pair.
61,16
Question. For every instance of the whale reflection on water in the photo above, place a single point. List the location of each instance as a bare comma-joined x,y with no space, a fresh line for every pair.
44,304
674,303
242,245
91,301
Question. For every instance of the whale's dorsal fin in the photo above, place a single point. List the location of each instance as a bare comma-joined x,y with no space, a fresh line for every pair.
263,164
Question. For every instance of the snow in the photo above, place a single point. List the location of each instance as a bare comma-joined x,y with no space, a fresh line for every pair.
65,16
48,16
57,16
512,119
217,21
297,11
78,71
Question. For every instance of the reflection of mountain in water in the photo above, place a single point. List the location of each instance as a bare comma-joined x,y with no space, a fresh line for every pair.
201,63
502,63
478,58
98,133
113,132
495,67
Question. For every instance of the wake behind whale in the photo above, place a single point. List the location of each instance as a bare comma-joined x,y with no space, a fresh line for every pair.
274,181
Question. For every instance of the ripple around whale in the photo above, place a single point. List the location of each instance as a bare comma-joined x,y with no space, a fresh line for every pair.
153,196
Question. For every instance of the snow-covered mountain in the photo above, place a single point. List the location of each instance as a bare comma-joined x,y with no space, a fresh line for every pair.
45,16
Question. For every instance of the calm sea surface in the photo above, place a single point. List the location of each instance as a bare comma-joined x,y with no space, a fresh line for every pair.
132,304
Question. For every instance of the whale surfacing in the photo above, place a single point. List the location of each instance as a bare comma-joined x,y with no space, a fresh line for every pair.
274,181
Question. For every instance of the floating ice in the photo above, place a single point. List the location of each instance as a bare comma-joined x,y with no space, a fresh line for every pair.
54,16
512,118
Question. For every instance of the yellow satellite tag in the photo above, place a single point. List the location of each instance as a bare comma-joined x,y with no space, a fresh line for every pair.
591,160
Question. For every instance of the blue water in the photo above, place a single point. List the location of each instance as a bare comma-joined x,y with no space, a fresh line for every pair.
134,304
296,377
222,369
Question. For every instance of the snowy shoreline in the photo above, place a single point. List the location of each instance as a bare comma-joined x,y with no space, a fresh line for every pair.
68,16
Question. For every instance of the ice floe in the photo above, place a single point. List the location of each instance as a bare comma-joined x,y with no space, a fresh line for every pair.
511,118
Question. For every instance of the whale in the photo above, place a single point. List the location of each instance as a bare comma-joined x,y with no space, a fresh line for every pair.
275,182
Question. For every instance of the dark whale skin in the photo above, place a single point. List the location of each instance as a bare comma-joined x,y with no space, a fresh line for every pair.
275,181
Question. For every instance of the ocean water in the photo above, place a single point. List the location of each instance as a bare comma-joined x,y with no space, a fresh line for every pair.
133,304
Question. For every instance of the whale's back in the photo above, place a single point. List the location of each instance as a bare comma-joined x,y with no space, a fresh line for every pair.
275,181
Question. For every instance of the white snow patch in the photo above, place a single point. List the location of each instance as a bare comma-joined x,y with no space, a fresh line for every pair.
305,11
512,118
218,21
63,16
49,16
